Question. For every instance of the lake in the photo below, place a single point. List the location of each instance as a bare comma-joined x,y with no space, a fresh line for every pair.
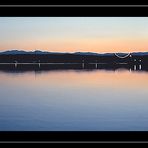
74,100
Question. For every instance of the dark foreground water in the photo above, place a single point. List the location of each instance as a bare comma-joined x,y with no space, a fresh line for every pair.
74,100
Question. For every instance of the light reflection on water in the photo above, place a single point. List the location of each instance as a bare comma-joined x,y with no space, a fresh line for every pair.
74,100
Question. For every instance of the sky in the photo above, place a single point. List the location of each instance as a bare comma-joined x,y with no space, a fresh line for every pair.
73,34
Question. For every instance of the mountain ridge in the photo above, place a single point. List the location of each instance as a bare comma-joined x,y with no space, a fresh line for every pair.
39,52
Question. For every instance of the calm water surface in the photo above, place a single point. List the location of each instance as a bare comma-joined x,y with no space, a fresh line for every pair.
74,100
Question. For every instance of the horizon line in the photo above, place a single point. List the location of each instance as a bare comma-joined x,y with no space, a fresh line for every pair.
23,50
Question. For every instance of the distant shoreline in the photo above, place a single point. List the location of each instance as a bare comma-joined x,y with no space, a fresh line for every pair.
88,58
38,67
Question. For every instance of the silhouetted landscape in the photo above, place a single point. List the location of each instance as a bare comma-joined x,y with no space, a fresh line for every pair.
15,56
21,61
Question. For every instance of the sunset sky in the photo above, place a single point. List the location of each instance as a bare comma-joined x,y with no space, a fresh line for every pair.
72,34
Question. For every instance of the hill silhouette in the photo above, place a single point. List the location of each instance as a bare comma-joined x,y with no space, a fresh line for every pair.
20,56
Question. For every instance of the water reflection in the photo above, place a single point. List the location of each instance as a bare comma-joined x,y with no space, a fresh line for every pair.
80,67
69,98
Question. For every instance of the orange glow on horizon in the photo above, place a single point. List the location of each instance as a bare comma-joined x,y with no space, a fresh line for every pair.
86,45
75,79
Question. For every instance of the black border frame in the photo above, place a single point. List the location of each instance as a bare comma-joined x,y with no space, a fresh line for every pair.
74,136
74,11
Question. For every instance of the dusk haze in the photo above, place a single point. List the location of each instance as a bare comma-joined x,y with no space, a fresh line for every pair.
72,34
73,74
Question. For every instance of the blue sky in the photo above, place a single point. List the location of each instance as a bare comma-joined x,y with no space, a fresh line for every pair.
98,34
